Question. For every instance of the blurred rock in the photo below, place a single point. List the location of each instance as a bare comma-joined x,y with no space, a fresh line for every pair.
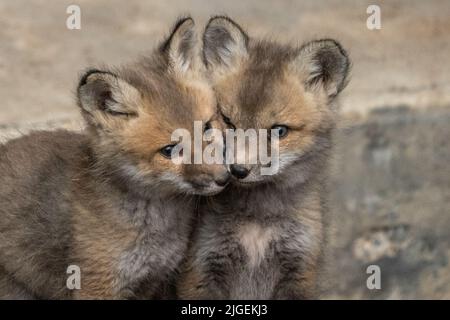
391,205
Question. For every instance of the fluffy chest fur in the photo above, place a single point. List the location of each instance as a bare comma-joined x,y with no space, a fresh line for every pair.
255,240
162,227
251,244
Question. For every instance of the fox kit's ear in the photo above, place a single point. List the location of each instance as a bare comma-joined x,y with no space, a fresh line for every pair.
224,43
323,64
102,92
180,47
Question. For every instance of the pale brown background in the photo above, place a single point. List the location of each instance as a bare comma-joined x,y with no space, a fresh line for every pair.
391,181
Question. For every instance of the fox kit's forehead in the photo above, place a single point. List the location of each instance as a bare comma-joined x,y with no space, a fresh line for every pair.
173,106
264,91
171,101
204,101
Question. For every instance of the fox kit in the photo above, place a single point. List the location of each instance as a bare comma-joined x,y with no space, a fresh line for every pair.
263,236
109,200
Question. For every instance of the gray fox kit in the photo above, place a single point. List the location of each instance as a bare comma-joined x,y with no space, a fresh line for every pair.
109,199
263,236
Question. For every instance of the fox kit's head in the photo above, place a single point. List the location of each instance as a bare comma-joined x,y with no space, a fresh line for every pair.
264,85
132,112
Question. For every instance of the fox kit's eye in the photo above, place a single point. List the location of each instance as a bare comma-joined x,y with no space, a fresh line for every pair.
228,122
167,151
282,131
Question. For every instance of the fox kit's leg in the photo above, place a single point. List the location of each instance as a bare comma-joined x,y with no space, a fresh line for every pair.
209,269
193,284
299,253
299,279
204,279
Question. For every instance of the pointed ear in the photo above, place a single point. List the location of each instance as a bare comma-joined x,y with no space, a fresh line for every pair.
103,93
224,43
181,45
323,64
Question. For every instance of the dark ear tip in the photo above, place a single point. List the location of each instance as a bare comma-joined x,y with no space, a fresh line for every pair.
332,44
339,47
220,19
181,21
178,23
333,60
84,78
223,20
346,59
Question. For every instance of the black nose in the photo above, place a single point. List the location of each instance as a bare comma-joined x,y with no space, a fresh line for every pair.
239,171
223,180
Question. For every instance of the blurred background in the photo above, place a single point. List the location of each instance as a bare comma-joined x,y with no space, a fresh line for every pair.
390,195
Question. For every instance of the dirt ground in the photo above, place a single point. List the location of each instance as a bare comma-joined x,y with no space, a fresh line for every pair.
391,179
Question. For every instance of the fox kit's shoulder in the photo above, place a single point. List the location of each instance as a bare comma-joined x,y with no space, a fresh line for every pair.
40,162
40,145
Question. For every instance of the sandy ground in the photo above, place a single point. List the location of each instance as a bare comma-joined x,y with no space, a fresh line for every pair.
404,63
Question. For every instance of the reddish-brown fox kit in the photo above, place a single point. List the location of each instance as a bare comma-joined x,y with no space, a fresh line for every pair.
263,236
109,200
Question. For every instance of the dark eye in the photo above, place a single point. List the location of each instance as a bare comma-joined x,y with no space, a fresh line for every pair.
207,126
167,151
282,131
228,122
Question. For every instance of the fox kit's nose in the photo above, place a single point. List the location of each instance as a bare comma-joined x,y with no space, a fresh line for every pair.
238,171
223,180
